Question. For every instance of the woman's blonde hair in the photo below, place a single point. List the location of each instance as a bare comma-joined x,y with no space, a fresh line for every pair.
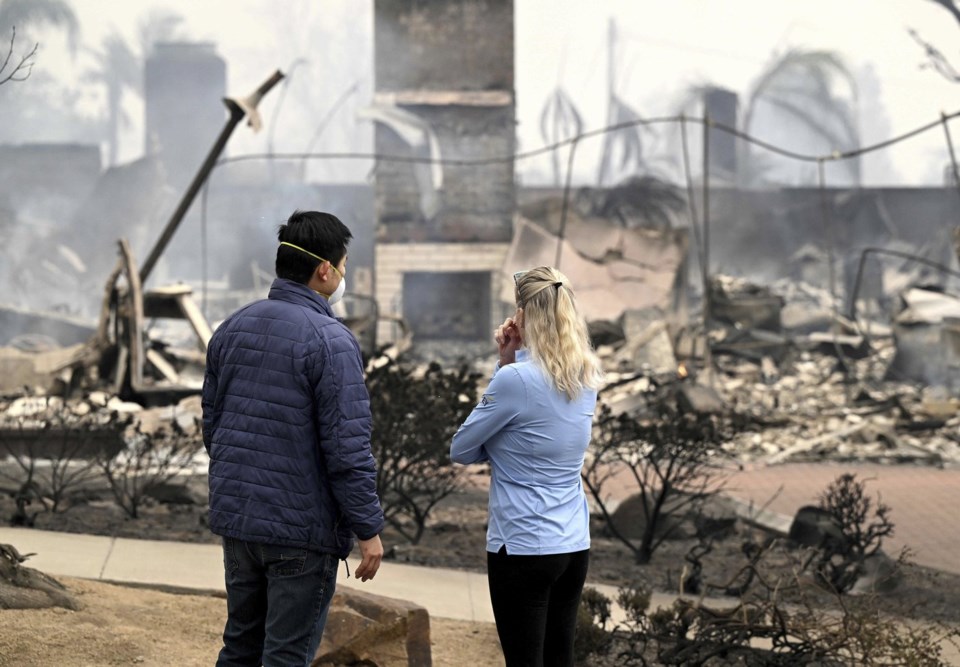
555,332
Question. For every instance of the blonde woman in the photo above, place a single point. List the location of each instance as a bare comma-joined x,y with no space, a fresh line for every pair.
533,425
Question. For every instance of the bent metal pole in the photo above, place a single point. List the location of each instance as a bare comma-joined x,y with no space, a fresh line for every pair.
238,108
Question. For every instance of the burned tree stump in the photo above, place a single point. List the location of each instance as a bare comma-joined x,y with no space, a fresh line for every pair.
25,588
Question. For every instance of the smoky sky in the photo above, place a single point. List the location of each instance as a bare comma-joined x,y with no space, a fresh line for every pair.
92,95
660,52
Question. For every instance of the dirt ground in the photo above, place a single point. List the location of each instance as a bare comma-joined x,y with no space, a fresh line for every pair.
138,626
120,625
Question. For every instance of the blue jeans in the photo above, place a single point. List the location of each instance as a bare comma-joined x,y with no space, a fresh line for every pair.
277,602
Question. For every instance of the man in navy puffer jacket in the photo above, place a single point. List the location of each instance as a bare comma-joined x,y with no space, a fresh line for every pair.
286,421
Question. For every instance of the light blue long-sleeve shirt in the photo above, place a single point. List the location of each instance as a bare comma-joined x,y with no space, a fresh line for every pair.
534,438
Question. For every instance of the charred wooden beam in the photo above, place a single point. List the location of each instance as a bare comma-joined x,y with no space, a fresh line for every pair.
238,108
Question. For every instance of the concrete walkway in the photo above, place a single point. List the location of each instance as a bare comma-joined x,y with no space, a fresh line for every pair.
444,593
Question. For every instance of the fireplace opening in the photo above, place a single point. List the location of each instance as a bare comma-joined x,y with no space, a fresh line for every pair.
448,305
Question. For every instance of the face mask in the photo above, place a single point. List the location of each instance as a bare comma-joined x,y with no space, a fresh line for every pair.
338,293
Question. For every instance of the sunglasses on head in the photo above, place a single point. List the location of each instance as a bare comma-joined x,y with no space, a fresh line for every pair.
516,283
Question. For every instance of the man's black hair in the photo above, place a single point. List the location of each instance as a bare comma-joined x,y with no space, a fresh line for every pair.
321,233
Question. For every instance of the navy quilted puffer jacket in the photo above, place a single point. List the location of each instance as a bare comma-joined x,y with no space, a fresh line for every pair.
286,421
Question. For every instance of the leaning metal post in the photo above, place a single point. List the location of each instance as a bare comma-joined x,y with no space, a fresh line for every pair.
238,108
705,269
827,235
566,202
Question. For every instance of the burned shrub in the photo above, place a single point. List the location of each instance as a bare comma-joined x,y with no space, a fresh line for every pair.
762,629
150,459
53,452
592,635
667,456
853,532
415,415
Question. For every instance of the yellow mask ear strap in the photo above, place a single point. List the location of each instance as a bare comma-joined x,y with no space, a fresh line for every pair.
296,247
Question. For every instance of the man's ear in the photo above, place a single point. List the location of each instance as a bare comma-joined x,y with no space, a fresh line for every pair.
323,271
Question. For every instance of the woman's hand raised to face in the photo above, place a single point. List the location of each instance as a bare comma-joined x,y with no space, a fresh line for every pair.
509,340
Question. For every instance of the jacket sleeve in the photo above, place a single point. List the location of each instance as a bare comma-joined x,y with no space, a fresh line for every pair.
504,399
208,396
344,425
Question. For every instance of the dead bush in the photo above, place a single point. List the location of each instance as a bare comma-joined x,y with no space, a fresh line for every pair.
54,455
593,637
149,459
861,526
415,415
760,628
669,457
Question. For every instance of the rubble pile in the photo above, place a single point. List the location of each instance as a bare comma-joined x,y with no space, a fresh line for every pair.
810,385
814,411
41,426
840,389
743,305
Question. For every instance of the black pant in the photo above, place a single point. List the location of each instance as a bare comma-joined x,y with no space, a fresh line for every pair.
535,601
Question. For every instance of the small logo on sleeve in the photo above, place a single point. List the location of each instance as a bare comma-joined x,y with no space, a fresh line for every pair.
487,399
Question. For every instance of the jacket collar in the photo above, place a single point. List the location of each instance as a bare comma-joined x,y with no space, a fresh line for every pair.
299,294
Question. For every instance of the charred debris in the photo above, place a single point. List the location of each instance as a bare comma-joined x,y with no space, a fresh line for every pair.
877,382
860,367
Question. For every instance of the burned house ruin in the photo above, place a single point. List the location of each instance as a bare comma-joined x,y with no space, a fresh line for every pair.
444,91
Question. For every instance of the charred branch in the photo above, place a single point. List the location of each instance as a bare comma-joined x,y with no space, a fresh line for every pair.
936,59
21,72
951,7
25,588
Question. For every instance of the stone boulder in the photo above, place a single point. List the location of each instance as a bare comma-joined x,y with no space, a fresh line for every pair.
374,630
699,399
879,574
630,520
713,516
180,490
816,527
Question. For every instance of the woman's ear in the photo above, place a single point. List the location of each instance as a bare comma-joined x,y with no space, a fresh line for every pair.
519,317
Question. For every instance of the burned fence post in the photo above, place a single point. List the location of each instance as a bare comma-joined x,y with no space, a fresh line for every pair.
827,234
705,250
131,309
566,201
